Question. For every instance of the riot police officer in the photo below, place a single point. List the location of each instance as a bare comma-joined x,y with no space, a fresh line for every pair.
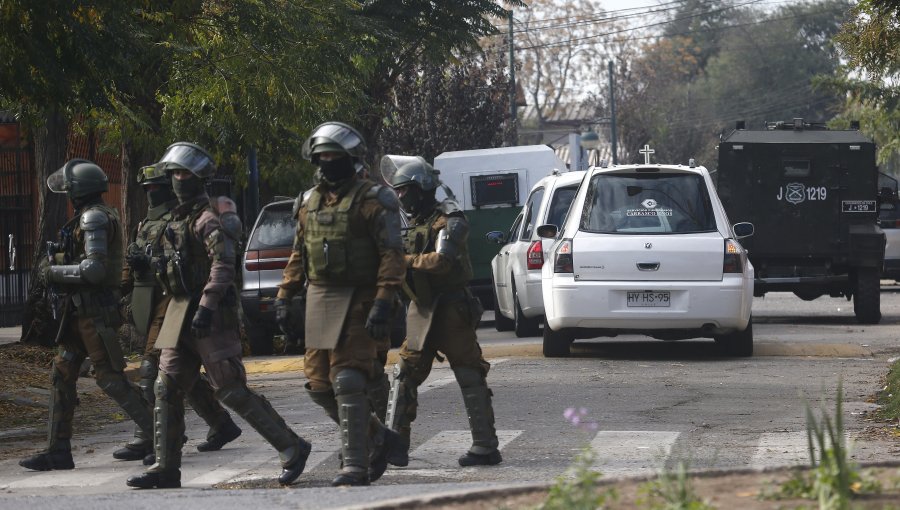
148,306
348,248
442,314
86,265
200,246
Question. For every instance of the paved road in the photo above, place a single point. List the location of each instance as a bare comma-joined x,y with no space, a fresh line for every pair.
654,404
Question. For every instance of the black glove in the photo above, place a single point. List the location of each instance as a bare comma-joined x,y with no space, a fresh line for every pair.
138,261
378,324
283,315
200,326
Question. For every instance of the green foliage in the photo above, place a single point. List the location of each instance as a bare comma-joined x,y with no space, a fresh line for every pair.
576,489
833,479
889,397
457,106
671,491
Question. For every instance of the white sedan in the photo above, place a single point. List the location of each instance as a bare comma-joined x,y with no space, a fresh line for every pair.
648,249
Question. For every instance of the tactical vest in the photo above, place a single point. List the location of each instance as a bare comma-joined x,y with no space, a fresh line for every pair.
149,239
114,254
421,239
185,264
333,255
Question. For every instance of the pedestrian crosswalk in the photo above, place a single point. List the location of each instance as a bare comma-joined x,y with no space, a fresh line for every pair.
616,453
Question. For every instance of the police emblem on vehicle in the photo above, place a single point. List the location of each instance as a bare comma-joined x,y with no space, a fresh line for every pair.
795,193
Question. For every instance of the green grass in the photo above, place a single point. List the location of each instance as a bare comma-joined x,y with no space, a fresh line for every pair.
889,397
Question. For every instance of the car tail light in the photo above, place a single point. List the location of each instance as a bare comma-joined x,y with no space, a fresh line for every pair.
534,257
261,260
732,262
563,257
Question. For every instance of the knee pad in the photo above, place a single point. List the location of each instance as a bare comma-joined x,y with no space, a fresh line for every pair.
233,395
149,368
468,377
349,381
164,386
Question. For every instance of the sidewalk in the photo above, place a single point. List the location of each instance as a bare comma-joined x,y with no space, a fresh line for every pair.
10,335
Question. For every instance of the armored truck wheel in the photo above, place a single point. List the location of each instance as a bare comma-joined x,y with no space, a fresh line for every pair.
524,326
738,344
867,298
557,344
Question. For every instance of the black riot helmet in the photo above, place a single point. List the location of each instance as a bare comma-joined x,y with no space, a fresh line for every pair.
414,180
190,157
157,185
79,179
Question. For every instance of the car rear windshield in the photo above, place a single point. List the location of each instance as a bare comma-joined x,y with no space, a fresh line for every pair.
275,229
647,203
559,205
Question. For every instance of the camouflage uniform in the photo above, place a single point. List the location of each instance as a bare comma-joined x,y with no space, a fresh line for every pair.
443,315
200,249
149,304
87,272
348,247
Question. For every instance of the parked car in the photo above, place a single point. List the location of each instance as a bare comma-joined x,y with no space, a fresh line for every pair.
268,250
648,249
516,269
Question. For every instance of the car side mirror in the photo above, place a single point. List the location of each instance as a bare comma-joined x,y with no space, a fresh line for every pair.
495,236
742,230
548,231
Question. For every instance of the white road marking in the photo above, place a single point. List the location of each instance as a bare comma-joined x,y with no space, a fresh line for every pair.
783,449
447,379
438,456
632,452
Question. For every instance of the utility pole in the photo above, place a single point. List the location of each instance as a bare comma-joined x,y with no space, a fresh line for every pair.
612,114
512,84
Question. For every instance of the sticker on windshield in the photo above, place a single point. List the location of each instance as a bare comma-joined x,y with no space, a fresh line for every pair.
649,209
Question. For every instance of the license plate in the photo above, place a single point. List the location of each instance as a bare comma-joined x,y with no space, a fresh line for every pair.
649,299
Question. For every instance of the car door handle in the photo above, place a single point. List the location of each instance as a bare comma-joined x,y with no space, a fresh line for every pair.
648,266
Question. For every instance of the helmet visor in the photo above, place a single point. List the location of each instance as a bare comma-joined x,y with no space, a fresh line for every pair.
57,181
391,163
151,173
332,132
189,157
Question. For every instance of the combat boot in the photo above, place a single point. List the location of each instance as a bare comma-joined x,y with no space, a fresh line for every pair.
477,399
58,454
168,414
259,413
354,419
222,429
384,445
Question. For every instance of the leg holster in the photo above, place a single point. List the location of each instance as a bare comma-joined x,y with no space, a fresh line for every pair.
203,401
128,397
354,416
260,414
168,415
325,399
477,398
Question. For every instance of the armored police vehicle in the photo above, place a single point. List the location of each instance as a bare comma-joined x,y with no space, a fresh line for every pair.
812,194
491,185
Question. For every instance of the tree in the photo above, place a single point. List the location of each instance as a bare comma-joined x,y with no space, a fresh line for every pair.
457,106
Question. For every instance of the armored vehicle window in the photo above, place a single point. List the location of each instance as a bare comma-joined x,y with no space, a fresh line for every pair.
796,167
495,189
274,230
648,204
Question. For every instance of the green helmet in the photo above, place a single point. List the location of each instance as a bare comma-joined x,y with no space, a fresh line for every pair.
153,174
190,157
334,137
78,178
399,171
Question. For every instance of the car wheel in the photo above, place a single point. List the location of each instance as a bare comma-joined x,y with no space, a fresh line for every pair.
738,344
501,323
259,336
557,344
524,326
867,298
